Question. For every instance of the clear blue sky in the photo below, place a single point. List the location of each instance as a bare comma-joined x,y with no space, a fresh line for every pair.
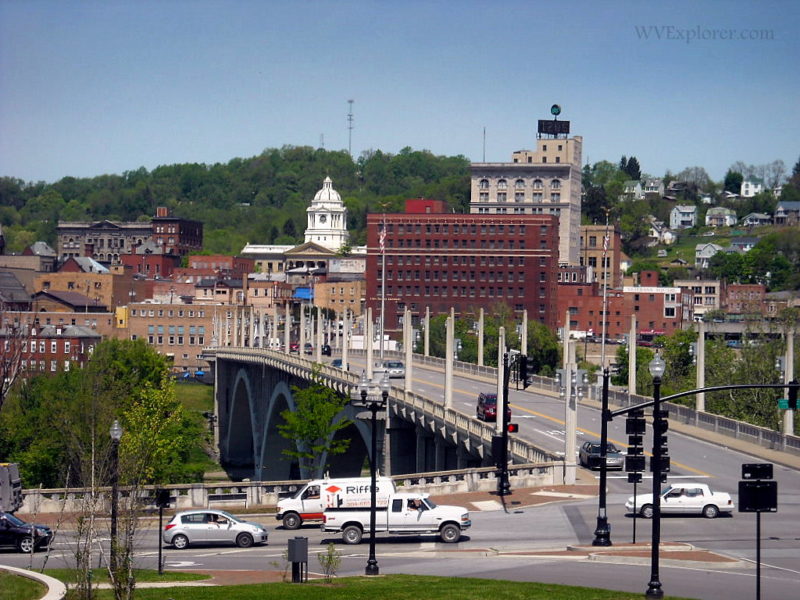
94,87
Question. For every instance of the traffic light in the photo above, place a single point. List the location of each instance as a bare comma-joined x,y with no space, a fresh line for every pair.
497,450
793,387
522,363
513,428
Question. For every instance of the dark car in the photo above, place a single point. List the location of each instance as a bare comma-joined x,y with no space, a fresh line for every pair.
25,537
308,348
487,407
337,362
589,456
326,350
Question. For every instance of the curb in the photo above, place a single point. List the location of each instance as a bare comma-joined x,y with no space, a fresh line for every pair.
56,590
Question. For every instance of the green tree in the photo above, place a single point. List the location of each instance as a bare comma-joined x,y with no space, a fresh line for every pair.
313,425
733,181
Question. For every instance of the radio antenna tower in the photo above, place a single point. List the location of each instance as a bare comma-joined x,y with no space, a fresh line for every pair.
350,128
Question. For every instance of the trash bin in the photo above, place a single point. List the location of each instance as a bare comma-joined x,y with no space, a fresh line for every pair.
298,556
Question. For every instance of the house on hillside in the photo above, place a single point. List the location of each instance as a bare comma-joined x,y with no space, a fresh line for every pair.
787,213
653,188
703,254
719,216
632,190
744,244
683,217
751,187
755,219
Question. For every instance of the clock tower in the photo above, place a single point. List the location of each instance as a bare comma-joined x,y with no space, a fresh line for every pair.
327,218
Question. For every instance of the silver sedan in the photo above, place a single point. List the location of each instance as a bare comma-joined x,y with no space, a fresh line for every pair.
212,527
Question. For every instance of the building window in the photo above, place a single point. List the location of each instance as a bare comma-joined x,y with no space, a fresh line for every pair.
519,184
501,197
484,184
502,184
519,196
555,184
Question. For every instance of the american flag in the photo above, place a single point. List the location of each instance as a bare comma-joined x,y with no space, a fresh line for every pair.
605,243
382,239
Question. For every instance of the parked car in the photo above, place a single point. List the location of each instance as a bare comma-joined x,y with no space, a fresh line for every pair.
308,348
294,347
212,527
326,350
684,497
337,362
25,537
589,456
487,407
395,368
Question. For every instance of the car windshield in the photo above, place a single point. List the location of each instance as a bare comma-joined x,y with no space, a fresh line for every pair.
394,365
490,399
431,504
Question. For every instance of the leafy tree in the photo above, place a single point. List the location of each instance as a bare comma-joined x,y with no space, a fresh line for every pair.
733,181
312,426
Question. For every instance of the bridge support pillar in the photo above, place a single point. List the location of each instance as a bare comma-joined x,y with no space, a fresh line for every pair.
422,452
440,457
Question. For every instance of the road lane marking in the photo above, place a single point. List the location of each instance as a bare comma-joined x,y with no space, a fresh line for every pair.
597,435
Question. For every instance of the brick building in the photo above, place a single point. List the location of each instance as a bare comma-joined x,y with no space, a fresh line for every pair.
464,261
52,348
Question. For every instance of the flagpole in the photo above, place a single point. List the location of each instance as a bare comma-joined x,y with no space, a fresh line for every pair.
383,280
605,298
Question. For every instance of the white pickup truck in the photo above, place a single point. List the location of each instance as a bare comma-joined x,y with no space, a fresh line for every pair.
684,497
405,514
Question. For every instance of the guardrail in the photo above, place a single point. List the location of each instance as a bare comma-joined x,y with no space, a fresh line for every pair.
762,436
250,494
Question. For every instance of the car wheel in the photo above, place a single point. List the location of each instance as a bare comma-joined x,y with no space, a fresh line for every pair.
647,511
352,534
450,533
710,511
25,544
180,541
244,540
291,521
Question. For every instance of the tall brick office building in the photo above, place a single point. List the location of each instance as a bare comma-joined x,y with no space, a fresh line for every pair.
465,261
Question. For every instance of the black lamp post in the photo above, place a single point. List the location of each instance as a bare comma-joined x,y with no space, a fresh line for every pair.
116,434
374,406
602,534
656,366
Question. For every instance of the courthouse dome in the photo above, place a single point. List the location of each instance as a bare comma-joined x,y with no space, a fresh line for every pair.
327,194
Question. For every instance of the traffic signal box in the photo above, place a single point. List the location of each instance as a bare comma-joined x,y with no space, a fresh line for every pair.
522,374
793,388
513,428
634,460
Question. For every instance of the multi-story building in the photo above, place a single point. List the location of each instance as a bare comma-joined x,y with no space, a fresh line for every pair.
595,247
229,266
683,216
52,348
586,307
744,300
659,310
462,261
546,181
706,294
108,241
177,331
175,235
104,288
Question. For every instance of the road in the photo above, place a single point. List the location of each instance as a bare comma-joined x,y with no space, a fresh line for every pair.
552,526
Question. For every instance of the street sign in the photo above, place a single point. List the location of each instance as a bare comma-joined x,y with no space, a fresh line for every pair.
783,403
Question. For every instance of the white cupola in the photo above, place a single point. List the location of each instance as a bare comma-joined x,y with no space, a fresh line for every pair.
327,218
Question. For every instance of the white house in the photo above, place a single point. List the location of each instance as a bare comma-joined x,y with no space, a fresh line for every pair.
683,217
751,187
703,254
719,216
653,187
632,190
755,219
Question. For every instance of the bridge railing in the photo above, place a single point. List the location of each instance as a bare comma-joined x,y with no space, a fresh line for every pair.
401,401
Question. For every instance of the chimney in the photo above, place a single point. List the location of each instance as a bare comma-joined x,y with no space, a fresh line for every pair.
162,211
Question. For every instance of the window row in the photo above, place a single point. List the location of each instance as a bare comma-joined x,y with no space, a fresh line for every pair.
490,276
174,340
179,329
454,228
472,260
67,346
169,313
461,291
519,184
41,365
491,244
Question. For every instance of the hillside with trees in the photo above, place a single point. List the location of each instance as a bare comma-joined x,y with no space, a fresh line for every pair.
262,199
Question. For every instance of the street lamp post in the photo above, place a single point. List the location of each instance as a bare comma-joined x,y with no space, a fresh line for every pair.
116,434
602,534
656,366
374,406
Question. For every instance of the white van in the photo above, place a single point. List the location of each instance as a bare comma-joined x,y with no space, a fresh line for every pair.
308,503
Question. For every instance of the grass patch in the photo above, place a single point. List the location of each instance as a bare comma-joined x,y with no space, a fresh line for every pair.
397,587
16,587
194,396
142,575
